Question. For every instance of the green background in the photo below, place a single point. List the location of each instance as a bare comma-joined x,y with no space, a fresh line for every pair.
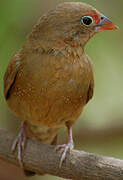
100,128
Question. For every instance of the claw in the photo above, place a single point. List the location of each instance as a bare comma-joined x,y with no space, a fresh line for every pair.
19,144
65,147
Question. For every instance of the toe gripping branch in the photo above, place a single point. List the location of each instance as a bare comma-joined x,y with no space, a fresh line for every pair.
64,148
19,143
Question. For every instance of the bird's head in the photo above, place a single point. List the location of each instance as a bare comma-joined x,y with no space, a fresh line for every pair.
71,22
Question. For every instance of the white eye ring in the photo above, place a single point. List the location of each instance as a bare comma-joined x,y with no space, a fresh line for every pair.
87,20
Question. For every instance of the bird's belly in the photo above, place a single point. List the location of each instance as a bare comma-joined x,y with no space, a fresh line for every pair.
53,106
57,99
42,133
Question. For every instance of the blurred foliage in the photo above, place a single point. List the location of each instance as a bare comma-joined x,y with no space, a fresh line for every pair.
105,49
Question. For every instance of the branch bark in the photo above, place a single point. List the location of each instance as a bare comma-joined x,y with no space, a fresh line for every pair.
79,165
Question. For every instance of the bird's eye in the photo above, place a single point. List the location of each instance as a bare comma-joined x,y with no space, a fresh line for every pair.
87,20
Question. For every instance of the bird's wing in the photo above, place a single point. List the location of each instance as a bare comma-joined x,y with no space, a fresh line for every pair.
91,85
90,91
10,75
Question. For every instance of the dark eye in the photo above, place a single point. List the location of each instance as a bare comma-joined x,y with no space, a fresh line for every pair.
87,20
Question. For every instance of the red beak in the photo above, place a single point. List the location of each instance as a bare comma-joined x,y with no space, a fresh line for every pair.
105,24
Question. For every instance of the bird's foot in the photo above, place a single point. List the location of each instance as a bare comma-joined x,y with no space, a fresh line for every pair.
19,144
64,149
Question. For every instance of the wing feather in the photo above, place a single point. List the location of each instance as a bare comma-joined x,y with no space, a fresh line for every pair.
10,75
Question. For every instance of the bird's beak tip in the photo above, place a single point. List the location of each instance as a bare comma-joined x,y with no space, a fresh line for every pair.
117,27
106,24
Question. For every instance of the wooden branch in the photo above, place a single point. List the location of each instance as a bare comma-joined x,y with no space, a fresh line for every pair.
78,165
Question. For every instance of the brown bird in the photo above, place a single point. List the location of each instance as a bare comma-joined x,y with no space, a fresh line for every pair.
50,80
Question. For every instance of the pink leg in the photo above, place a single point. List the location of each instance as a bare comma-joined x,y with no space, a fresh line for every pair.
66,147
19,144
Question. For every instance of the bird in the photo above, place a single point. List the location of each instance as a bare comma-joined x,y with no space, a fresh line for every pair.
50,79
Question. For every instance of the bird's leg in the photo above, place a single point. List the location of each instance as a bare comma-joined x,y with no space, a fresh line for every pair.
19,144
66,147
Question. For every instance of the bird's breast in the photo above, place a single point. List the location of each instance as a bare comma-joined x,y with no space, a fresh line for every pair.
51,90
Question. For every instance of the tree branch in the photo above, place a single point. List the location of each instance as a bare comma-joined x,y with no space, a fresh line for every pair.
78,165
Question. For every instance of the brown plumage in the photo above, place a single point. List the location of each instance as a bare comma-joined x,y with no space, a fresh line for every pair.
50,80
